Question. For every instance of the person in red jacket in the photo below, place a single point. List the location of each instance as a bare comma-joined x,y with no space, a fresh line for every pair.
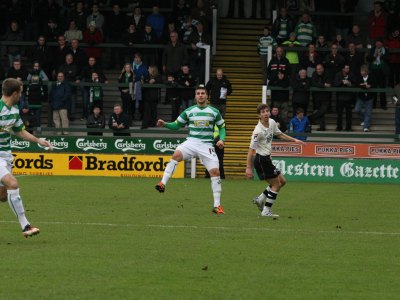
393,42
377,22
93,36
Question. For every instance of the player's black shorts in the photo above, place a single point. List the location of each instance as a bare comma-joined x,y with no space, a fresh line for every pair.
264,167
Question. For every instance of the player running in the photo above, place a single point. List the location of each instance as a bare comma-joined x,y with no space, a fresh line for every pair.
11,121
261,143
200,119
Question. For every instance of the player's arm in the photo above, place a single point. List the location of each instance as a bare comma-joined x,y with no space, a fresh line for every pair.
171,125
288,138
222,135
249,164
23,134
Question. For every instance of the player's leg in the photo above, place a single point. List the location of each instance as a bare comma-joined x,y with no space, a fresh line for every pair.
177,157
15,201
209,158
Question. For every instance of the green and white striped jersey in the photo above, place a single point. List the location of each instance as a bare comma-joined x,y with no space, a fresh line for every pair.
201,122
9,121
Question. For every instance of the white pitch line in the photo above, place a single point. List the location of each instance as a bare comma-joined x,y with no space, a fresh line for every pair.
215,228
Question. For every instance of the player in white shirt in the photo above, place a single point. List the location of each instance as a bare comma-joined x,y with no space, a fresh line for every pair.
10,121
261,144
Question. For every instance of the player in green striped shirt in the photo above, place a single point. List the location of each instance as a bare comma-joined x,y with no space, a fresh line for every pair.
201,119
10,121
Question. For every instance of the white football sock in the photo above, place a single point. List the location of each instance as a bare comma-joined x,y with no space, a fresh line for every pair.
15,202
169,171
216,189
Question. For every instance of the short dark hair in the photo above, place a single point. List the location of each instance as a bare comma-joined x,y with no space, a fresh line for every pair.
299,110
11,85
201,87
261,107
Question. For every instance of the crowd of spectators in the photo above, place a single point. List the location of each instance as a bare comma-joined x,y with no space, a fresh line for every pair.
307,53
179,34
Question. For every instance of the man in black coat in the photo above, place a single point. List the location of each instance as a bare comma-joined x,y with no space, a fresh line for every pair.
219,88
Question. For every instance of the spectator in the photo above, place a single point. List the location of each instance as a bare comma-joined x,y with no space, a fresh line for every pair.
292,56
17,71
42,54
333,62
27,118
355,37
86,76
96,120
171,27
300,124
339,41
49,10
173,95
95,18
201,12
180,11
397,113
276,116
321,43
150,98
309,60
219,88
283,26
60,98
377,23
365,99
60,53
280,98
116,23
93,36
73,32
174,55
130,37
264,41
51,31
198,39
127,76
186,30
79,15
35,97
344,79
79,55
118,122
186,80
138,19
13,34
305,30
321,99
354,59
148,37
139,68
38,71
378,58
393,42
278,64
157,21
71,75
95,92
301,91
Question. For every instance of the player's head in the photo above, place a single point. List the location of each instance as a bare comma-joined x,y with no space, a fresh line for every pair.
264,112
12,88
201,95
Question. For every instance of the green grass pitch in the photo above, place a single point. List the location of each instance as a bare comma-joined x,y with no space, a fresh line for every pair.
118,238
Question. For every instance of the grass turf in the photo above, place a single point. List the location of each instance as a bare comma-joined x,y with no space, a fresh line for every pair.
109,238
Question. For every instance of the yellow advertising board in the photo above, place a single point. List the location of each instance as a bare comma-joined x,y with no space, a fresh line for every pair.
93,165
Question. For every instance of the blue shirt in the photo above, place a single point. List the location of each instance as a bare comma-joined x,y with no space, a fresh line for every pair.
297,125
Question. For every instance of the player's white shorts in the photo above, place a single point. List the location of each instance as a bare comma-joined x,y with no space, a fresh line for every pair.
204,151
5,166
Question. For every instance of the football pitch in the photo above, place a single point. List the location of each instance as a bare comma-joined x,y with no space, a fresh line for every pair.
118,238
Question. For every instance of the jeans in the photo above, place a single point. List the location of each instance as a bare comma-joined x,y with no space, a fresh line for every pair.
365,116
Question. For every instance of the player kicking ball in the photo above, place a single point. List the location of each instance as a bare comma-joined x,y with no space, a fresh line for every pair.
261,143
11,121
201,120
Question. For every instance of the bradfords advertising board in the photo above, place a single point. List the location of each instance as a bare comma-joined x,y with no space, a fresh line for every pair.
339,169
124,145
92,165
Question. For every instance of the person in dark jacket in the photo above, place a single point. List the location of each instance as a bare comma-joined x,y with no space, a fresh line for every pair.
321,99
344,79
280,98
148,37
355,59
17,71
60,100
35,96
198,39
43,54
186,79
127,76
150,98
301,91
173,96
96,120
283,26
118,121
276,116
14,34
174,55
365,99
219,88
278,64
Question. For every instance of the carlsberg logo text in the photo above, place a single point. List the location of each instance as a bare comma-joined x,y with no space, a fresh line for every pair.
164,146
129,145
58,145
86,145
17,144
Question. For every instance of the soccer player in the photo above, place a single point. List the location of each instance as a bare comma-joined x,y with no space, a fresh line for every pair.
261,143
201,119
11,121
